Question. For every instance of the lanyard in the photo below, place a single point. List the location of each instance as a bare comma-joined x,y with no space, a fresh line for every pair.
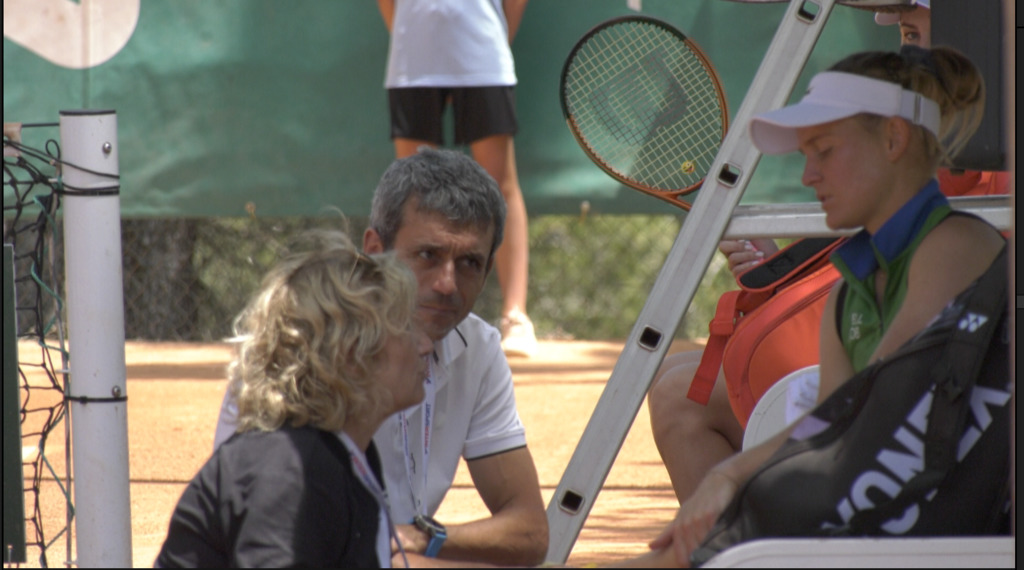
369,481
430,390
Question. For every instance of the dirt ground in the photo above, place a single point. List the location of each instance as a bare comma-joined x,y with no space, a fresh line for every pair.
175,390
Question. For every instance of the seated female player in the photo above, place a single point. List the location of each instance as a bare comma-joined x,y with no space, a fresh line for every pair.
873,129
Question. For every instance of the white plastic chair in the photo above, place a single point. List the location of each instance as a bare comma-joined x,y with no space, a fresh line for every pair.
782,404
970,552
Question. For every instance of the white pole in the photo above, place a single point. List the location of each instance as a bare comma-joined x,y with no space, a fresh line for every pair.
95,305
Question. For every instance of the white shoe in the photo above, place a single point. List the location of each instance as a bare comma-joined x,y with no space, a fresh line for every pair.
517,336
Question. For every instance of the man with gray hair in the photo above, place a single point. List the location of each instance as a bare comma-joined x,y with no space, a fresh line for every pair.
442,214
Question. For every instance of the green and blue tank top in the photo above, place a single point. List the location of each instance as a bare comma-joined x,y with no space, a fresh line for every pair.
862,320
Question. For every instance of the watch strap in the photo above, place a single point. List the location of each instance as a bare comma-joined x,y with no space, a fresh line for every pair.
435,530
435,544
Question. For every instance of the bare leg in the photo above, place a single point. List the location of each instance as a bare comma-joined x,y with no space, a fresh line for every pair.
408,147
497,155
691,438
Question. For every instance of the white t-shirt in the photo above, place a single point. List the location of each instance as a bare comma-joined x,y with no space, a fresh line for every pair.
449,43
475,416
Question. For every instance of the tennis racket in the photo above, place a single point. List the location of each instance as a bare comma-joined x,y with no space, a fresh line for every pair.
645,104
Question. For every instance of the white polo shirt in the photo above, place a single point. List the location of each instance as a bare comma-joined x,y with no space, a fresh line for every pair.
475,416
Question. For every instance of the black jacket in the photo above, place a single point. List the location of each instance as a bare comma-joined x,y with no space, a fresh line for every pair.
273,499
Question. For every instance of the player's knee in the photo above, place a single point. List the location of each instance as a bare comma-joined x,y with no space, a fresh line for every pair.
663,389
673,413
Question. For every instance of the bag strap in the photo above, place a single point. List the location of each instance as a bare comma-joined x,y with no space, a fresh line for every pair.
720,329
962,361
957,373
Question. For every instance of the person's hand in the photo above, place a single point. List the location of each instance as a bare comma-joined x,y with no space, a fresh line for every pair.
414,542
696,516
744,254
412,538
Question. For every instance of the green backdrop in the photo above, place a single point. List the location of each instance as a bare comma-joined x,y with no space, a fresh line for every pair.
281,103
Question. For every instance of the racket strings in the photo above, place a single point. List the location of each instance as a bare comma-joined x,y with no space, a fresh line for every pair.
700,130
646,106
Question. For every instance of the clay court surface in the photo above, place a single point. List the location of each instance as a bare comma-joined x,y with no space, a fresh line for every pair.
175,390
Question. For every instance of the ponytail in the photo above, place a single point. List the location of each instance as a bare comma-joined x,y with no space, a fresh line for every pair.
941,74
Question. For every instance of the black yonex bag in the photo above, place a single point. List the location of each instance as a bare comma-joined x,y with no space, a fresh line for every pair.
915,445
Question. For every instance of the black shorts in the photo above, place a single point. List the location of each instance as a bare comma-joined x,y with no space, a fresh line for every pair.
416,112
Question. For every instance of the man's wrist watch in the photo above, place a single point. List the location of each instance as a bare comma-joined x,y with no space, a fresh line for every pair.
434,530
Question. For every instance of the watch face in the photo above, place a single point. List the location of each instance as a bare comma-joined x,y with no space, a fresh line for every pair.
435,530
428,525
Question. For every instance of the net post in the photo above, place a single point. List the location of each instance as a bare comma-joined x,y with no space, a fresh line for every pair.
97,389
14,481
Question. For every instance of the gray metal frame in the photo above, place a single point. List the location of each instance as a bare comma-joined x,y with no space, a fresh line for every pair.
807,219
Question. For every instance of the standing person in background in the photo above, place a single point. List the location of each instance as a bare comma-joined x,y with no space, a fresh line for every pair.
915,26
691,437
915,22
458,53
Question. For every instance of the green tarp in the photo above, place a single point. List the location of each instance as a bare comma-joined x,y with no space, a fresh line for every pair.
281,103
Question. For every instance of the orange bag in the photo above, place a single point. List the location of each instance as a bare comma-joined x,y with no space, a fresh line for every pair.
769,327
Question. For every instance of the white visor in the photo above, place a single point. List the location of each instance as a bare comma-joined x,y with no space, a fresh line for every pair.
887,18
890,18
835,95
